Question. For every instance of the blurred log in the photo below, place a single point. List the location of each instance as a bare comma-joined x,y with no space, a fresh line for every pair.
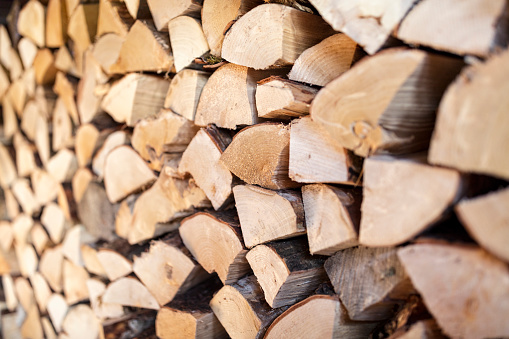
164,11
74,282
62,136
65,88
44,185
115,265
112,141
96,212
102,310
107,49
31,22
27,52
113,18
57,310
81,322
51,265
129,292
80,182
56,23
88,101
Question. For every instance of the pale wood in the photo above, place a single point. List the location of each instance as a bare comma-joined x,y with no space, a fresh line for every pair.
18,96
170,198
21,227
64,201
56,23
259,155
11,300
11,204
247,38
44,66
215,240
285,270
201,159
82,25
129,292
428,192
16,66
71,245
137,8
88,101
50,267
163,11
45,99
42,140
124,216
324,62
86,143
96,213
25,293
27,259
107,49
65,63
144,49
187,41
114,264
25,196
10,125
469,148
62,165
134,97
6,235
70,6
7,169
4,86
368,24
5,46
74,282
319,316
102,310
91,262
53,219
29,119
113,18
80,182
112,141
185,91
10,328
62,136
57,310
467,310
387,103
44,185
278,98
40,238
166,133
168,268
41,289
370,282
27,52
31,22
47,328
81,322
228,97
242,310
65,88
28,79
267,215
25,158
31,327
464,35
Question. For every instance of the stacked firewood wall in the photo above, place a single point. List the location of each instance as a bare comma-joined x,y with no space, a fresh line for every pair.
254,169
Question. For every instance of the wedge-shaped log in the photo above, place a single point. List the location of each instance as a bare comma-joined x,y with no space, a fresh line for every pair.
163,11
428,192
138,9
129,292
39,238
187,41
85,144
185,91
113,18
387,102
27,52
259,155
74,282
11,300
10,125
286,271
65,63
97,213
202,160
111,142
62,165
102,310
81,322
332,217
91,261
242,310
475,282
324,62
369,281
289,31
107,49
25,158
56,23
42,291
115,265
124,216
50,267
31,327
267,215
461,139
71,246
82,26
44,185
25,196
134,97
65,88
8,173
62,135
87,100
215,240
464,36
168,268
31,22
368,24
144,49
319,316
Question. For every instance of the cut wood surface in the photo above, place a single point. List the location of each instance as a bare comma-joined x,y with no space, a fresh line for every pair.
40,238
215,240
112,141
163,11
91,262
44,185
289,31
102,310
81,322
387,102
41,289
129,292
57,310
25,293
96,212
62,165
82,26
56,23
71,246
267,215
11,300
113,18
27,52
8,172
65,88
86,141
25,196
31,327
107,49
87,101
80,181
74,282
62,136
50,267
65,63
44,67
114,264
187,40
25,159
31,22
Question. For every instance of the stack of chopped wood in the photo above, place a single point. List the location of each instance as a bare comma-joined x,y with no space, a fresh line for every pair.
255,169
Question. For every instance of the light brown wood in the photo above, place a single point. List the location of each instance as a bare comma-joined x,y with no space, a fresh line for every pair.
25,293
31,22
45,99
11,299
62,165
137,8
41,289
65,63
369,281
28,79
86,143
102,310
7,169
187,40
428,192
144,49
25,196
21,228
267,215
6,235
81,322
96,213
18,96
27,52
4,84
42,140
324,62
10,125
460,308
259,155
29,119
5,46
107,49
88,101
80,182
39,238
11,204
70,6
113,18
53,219
16,66
82,25
71,245
112,141
129,292
201,159
44,66
332,217
163,11
91,262
25,158
44,185
50,267
48,329
62,136
135,97
64,201
56,23
27,259
114,264
57,310
124,216
31,327
10,328
74,282
469,148
65,87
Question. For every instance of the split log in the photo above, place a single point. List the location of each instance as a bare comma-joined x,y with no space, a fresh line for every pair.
163,11
28,79
27,259
166,133
6,235
370,282
319,316
291,30
107,49
62,135
113,18
31,22
31,327
8,172
368,24
138,8
80,181
324,62
468,148
10,122
65,63
228,97
267,215
10,328
25,158
428,192
88,101
129,292
168,200
71,246
40,238
6,45
25,293
63,165
44,66
74,280
50,267
45,100
11,300
41,139
168,269
57,310
16,67
70,6
91,262
125,172
135,97
201,160
44,185
187,40
65,88
124,216
259,155
102,310
317,157
25,196
81,322
242,310
464,36
41,289
114,264
112,141
21,227
278,98
185,91
366,112
18,96
96,212
86,143
27,52
65,202
476,282
47,328
56,23
286,271
29,119
215,240
144,49
82,26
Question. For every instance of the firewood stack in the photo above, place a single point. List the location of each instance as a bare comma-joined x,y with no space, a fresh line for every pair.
255,169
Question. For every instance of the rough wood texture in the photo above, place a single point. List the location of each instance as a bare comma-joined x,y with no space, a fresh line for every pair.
81,322
289,31
102,310
87,101
31,22
113,18
111,142
114,264
107,49
129,292
185,91
187,41
462,140
463,287
74,282
163,11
